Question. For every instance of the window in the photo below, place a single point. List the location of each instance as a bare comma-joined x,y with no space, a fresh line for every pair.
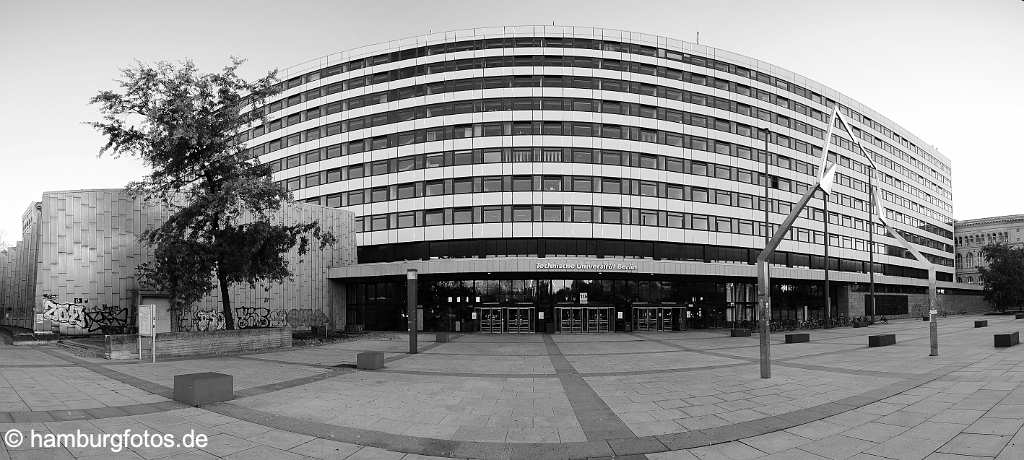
522,183
698,169
355,197
674,192
379,167
581,214
462,216
379,223
492,213
611,186
611,215
648,161
649,218
699,194
522,213
434,217
434,188
724,225
552,213
674,220
611,158
379,194
582,156
582,184
406,191
492,156
406,219
435,160
552,183
492,184
699,222
648,188
406,164
463,185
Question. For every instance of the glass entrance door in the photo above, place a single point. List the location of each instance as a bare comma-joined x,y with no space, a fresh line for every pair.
519,320
580,319
570,319
491,320
599,319
645,319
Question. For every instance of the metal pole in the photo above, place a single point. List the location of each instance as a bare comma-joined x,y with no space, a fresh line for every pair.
767,225
411,278
764,300
871,239
933,325
828,296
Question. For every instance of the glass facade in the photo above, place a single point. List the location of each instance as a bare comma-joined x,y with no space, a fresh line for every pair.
695,303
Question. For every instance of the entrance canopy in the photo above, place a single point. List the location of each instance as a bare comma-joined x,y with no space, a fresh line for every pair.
539,266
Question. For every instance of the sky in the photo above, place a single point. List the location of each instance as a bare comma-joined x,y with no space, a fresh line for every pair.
951,72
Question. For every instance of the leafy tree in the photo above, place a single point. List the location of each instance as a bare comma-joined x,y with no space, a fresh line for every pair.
1003,275
183,124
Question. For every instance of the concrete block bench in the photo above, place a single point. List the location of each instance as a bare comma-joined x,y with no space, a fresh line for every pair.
1007,340
203,388
1018,316
925,318
739,333
982,323
798,338
881,340
370,360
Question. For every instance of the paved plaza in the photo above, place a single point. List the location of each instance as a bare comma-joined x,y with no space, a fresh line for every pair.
694,394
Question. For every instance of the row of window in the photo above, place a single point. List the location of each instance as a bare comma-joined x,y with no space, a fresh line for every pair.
561,81
629,48
582,129
983,238
580,155
525,81
612,215
607,185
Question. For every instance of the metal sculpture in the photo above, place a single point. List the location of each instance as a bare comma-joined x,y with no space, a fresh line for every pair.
824,182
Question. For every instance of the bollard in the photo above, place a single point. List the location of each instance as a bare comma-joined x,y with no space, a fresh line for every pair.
933,333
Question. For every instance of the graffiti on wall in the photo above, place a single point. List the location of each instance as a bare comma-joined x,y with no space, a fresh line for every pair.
104,319
70,314
253,317
107,320
200,320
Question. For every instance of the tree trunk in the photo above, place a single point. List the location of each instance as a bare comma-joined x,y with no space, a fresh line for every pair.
225,300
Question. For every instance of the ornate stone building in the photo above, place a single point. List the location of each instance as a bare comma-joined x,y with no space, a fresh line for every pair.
973,234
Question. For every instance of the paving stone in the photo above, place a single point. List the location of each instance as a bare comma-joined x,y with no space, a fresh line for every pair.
976,444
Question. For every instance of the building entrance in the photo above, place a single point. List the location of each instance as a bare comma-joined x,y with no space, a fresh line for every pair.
519,320
579,319
646,318
505,320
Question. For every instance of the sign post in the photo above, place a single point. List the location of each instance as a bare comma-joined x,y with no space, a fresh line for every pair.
147,327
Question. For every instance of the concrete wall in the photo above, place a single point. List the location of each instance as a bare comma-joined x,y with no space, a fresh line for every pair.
179,344
917,304
84,276
18,275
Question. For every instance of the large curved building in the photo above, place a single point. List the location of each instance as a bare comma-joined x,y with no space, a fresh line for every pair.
584,179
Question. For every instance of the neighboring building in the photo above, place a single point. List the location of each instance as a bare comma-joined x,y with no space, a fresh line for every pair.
973,234
75,271
588,179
